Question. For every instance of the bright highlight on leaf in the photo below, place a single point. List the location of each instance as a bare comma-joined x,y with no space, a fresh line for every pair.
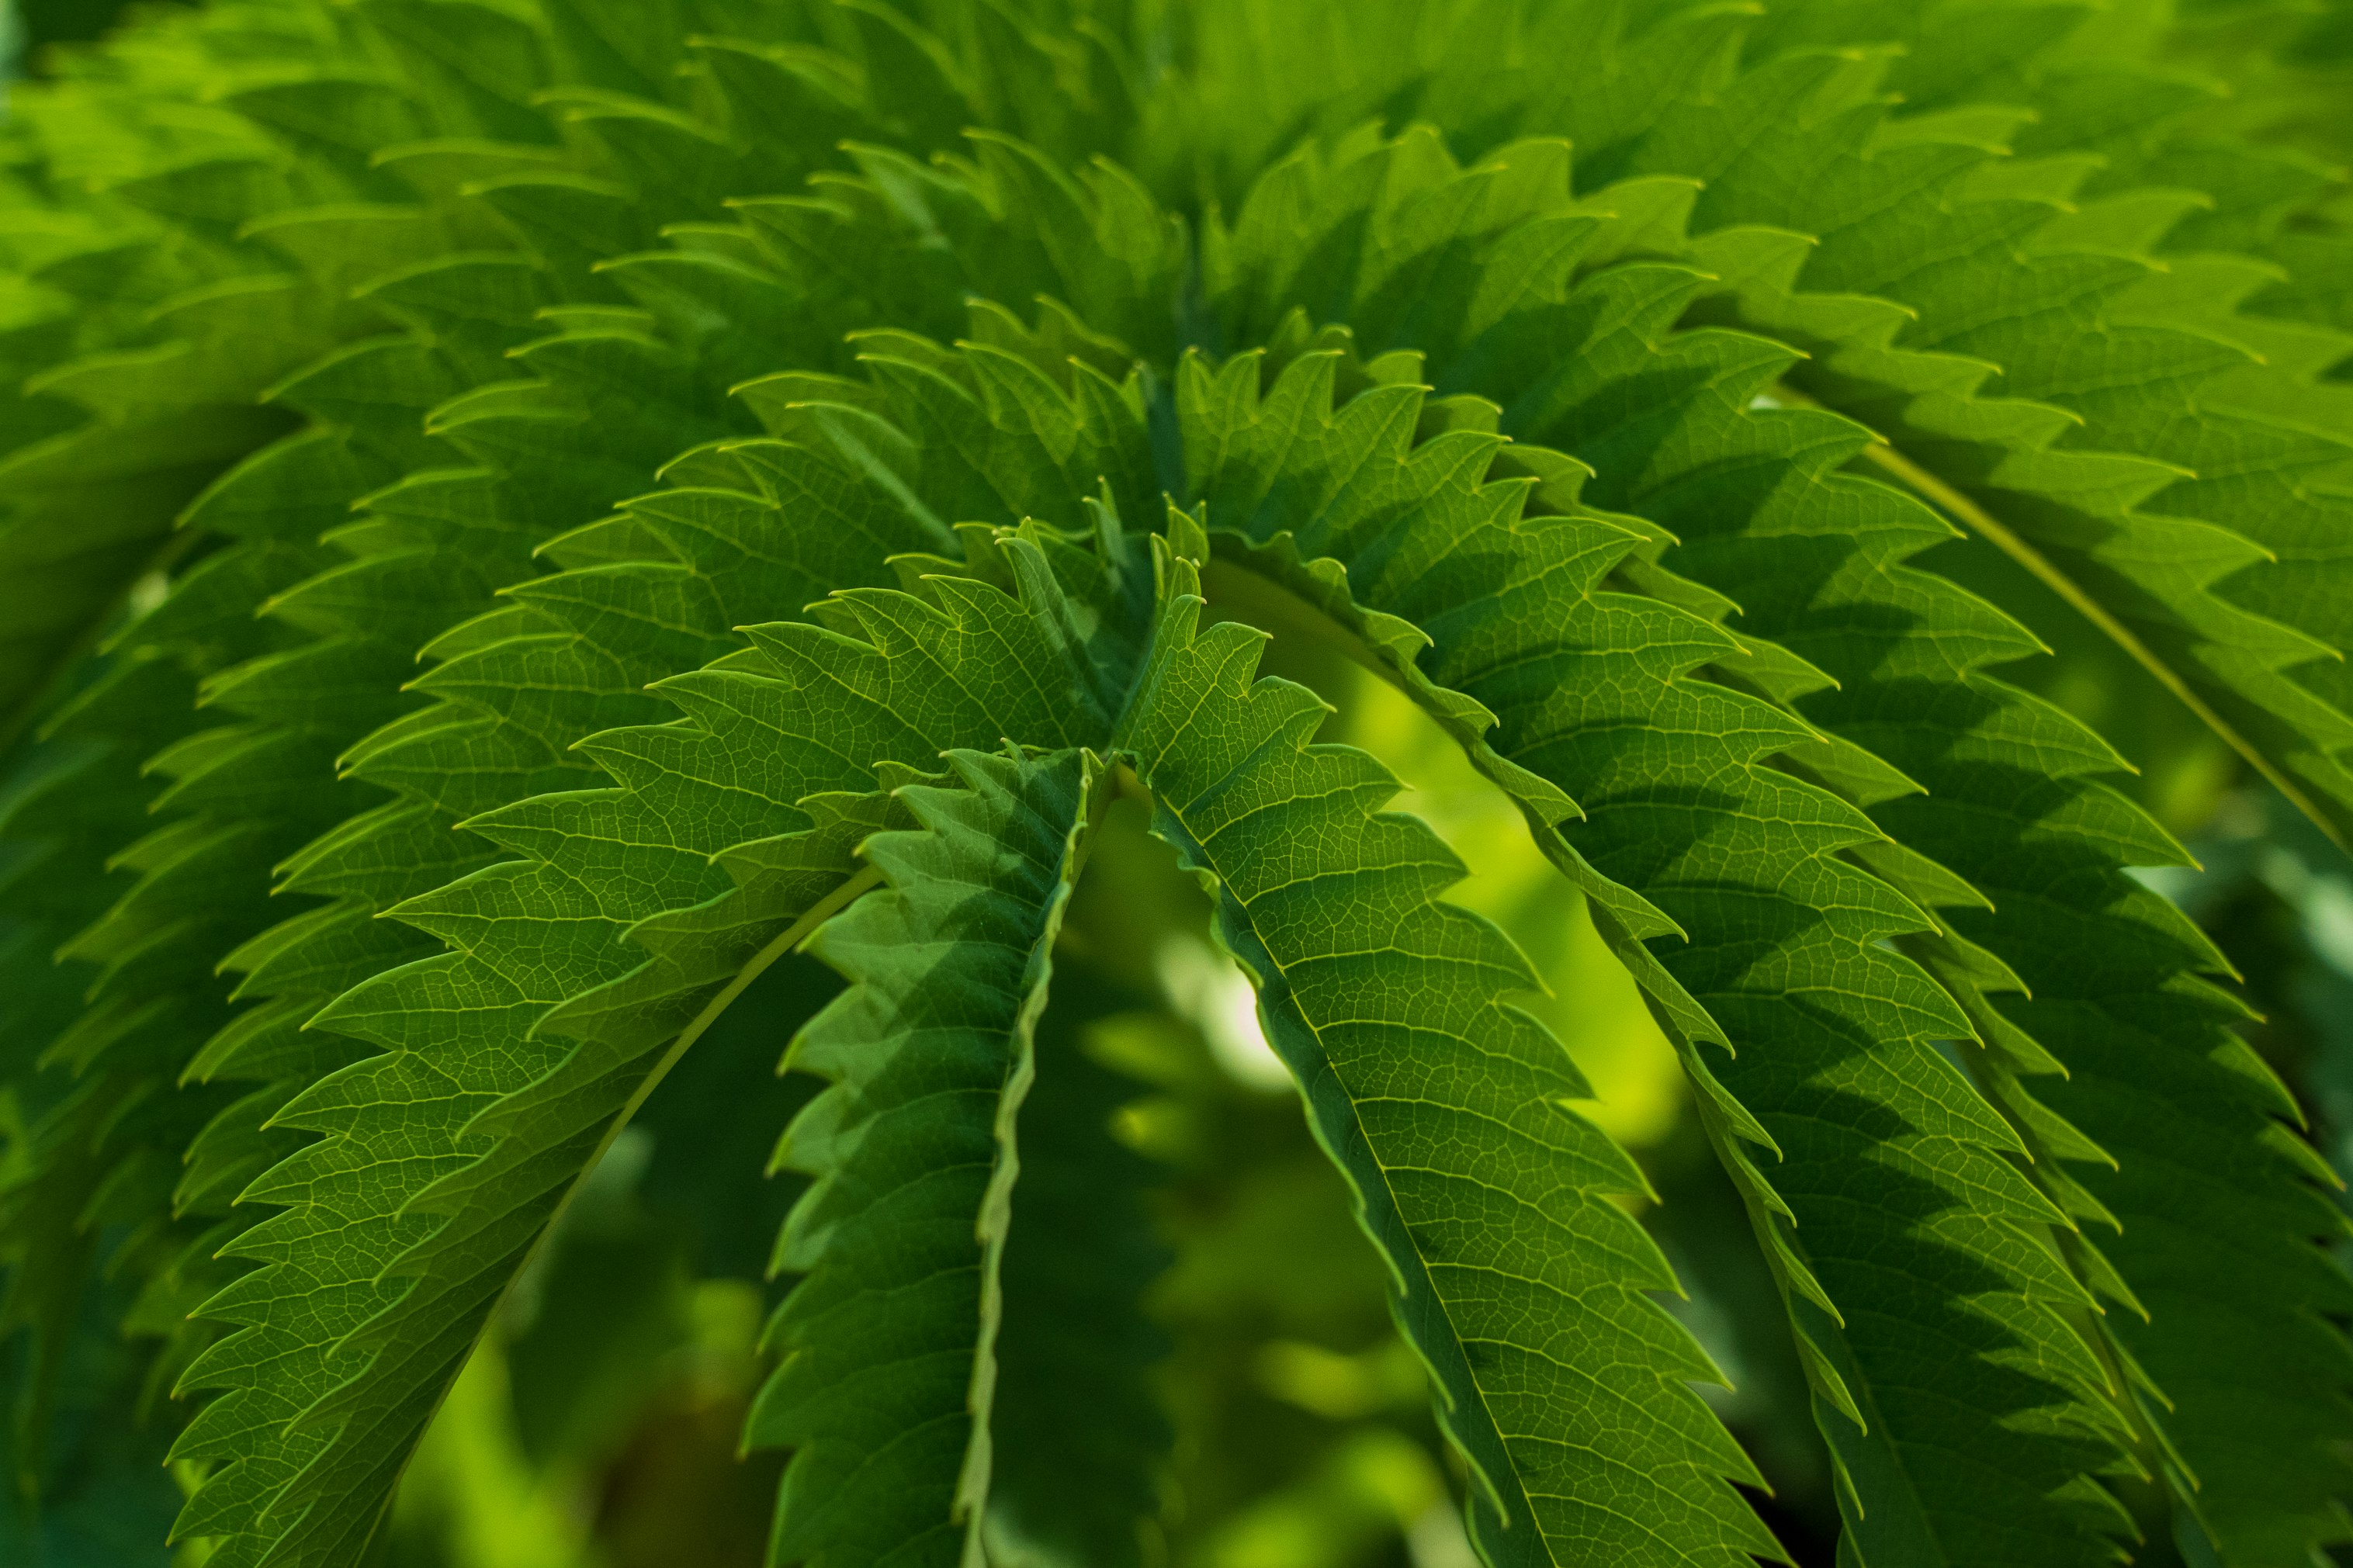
749,579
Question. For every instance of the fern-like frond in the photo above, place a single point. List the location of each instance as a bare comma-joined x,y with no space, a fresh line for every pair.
895,679
1783,948
526,944
2126,446
346,616
1900,708
1518,1280
581,345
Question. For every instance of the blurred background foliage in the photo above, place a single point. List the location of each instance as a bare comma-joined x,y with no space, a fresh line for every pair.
597,1426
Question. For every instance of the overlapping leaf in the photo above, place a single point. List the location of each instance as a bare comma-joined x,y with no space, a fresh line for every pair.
1518,1280
2140,434
1747,491
888,1346
1748,736
539,967
343,630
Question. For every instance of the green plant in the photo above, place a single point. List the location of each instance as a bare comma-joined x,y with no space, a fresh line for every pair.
829,456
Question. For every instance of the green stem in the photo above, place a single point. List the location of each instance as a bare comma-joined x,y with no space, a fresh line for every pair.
1986,526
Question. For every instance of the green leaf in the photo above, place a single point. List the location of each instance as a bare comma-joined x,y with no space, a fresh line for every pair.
1745,489
1950,1053
887,1346
519,1051
1520,1282
467,310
